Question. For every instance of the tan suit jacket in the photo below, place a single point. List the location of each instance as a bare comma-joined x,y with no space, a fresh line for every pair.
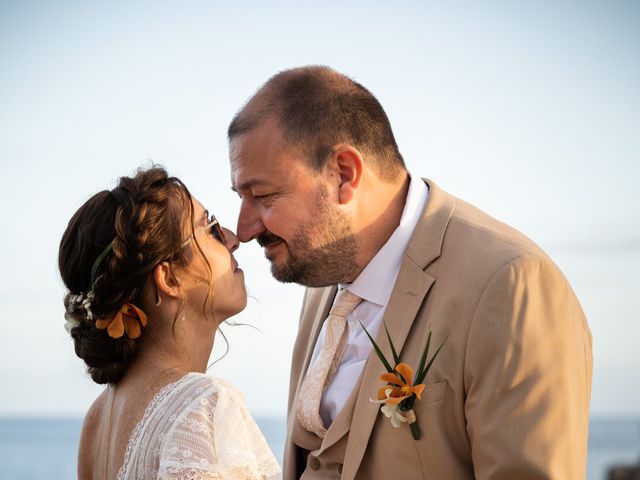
508,396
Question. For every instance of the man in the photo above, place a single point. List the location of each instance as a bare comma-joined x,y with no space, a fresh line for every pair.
325,191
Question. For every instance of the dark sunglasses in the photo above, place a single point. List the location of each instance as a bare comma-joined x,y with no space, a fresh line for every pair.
213,227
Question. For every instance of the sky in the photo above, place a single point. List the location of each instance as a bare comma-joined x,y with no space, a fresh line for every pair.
529,110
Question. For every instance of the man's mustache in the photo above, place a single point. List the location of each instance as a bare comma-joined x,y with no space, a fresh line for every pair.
268,238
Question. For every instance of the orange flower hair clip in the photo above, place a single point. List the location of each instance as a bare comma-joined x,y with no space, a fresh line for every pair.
128,319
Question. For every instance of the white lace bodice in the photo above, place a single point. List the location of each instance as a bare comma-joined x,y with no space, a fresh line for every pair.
198,428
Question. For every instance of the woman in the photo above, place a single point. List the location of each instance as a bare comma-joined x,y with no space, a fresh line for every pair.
150,276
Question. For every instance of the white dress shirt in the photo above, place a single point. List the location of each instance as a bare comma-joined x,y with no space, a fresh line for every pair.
374,286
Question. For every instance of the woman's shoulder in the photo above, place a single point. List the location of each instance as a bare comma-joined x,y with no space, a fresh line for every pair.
201,385
205,382
93,415
215,434
199,407
91,425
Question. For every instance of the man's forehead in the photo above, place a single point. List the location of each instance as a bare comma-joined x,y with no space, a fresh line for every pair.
251,168
260,161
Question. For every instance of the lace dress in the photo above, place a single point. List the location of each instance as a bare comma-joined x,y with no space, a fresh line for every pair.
198,428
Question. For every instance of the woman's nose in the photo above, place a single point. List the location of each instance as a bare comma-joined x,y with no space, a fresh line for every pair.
232,241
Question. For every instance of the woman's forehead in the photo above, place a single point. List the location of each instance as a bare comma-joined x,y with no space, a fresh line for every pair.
199,211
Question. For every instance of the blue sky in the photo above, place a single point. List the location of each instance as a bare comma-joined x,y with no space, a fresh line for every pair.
529,111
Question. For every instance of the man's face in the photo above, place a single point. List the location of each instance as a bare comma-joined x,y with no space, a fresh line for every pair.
287,207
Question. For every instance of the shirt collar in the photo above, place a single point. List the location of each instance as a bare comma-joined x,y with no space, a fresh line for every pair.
386,263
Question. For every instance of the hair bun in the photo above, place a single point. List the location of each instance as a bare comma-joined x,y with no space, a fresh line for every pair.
107,359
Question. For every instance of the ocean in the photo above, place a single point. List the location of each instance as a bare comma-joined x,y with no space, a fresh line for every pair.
45,448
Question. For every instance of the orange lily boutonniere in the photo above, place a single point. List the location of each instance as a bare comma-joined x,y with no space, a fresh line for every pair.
128,319
402,388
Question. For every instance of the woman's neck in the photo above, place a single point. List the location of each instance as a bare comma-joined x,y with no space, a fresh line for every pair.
172,347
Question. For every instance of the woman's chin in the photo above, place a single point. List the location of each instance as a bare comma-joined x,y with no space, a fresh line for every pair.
231,309
243,303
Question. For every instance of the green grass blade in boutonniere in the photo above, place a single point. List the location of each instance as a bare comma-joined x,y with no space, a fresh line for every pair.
423,360
396,358
423,373
378,351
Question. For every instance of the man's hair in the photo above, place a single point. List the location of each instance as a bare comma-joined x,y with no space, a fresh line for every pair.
318,108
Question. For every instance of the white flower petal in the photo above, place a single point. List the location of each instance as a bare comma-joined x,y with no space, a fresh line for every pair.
70,323
395,420
388,410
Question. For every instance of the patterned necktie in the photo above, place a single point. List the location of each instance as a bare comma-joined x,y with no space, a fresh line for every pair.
321,373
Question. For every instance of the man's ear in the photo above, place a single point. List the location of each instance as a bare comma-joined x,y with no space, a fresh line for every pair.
349,166
166,282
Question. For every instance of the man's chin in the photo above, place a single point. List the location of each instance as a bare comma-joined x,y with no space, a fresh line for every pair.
297,272
281,274
285,273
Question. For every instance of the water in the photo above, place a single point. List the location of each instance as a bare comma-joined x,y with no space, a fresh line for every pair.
38,449
612,441
35,449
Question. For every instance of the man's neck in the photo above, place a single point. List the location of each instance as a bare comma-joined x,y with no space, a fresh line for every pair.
386,204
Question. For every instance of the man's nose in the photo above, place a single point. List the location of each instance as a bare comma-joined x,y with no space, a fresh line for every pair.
249,223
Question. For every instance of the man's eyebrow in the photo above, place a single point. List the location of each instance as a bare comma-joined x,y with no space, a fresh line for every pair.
247,185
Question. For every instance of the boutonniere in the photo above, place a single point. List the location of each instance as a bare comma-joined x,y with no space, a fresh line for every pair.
401,388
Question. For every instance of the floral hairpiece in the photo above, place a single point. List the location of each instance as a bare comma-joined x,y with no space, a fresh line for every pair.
82,299
70,322
74,302
127,320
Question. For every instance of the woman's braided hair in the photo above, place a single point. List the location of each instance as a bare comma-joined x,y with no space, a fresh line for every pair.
143,219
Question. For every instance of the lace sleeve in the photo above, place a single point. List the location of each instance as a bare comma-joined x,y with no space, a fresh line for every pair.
216,438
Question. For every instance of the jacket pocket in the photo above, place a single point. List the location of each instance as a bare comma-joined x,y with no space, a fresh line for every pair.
433,392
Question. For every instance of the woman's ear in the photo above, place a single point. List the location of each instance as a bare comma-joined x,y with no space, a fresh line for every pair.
166,282
350,166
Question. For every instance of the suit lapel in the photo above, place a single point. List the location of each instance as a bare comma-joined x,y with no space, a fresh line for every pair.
408,295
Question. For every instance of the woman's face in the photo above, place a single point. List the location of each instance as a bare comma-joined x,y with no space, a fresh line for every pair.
228,295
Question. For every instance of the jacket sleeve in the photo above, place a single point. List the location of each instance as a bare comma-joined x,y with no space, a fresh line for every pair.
527,376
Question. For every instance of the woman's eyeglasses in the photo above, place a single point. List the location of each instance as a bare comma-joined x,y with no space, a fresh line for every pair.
212,226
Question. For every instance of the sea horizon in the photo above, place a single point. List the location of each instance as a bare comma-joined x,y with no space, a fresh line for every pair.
34,447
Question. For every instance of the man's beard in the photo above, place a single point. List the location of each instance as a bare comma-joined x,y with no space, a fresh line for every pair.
329,264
